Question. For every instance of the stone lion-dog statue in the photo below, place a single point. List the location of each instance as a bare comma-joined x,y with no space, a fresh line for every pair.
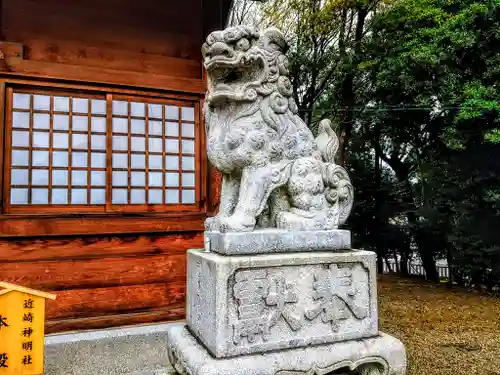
275,174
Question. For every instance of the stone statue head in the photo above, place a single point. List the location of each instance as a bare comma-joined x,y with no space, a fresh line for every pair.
243,64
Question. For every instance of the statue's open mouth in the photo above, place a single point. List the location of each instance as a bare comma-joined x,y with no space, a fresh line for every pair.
230,77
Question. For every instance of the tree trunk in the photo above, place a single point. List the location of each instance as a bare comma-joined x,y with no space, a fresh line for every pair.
376,197
389,268
425,249
452,270
429,265
403,264
396,263
424,246
380,264
347,89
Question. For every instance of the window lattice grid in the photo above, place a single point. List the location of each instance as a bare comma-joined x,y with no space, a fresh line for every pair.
51,141
94,152
153,153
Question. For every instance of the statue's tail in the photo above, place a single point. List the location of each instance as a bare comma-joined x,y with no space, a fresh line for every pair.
327,141
339,191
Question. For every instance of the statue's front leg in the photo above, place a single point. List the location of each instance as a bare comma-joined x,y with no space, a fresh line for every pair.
256,185
228,200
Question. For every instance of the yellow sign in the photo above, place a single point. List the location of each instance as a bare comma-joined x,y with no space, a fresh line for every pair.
22,316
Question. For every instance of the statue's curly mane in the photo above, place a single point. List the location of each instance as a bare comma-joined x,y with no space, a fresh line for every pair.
246,67
248,63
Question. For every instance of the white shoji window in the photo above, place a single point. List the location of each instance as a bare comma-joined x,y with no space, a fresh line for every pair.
101,152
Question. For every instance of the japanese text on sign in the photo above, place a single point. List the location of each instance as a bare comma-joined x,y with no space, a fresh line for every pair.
22,315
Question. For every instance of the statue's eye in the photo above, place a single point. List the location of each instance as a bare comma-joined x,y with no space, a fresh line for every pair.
243,44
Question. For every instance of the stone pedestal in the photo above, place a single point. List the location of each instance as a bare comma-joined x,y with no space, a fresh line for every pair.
272,240
379,355
287,313
254,304
278,289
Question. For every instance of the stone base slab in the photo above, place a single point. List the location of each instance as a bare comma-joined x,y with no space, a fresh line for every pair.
277,241
253,304
136,350
380,355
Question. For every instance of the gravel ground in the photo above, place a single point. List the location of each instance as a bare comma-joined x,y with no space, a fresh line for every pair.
447,331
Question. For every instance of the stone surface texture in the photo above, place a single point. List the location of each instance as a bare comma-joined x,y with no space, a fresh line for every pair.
253,304
275,173
277,241
380,355
140,350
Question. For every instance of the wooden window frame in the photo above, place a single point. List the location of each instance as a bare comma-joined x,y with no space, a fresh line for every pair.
117,219
197,155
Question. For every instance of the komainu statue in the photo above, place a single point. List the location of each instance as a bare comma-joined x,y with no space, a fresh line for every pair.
275,173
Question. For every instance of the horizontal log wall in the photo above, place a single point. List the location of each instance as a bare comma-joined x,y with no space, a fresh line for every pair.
103,281
154,36
112,279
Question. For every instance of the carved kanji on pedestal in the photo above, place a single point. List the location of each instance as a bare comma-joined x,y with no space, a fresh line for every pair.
262,300
250,290
333,288
280,294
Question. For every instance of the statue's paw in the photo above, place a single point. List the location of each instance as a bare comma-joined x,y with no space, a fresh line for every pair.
212,224
237,224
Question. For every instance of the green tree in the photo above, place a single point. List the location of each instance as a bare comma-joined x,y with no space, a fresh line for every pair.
413,88
325,43
433,71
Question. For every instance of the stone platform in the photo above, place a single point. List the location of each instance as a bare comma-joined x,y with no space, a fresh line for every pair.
277,241
137,350
380,355
253,304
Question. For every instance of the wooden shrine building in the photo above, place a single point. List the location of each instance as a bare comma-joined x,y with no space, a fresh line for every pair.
105,181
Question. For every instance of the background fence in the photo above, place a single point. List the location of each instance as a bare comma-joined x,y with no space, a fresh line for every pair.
417,269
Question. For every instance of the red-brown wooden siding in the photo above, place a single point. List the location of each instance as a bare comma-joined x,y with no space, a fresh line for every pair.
104,280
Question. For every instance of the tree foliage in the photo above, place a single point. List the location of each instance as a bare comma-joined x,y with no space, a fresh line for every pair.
413,86
439,59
